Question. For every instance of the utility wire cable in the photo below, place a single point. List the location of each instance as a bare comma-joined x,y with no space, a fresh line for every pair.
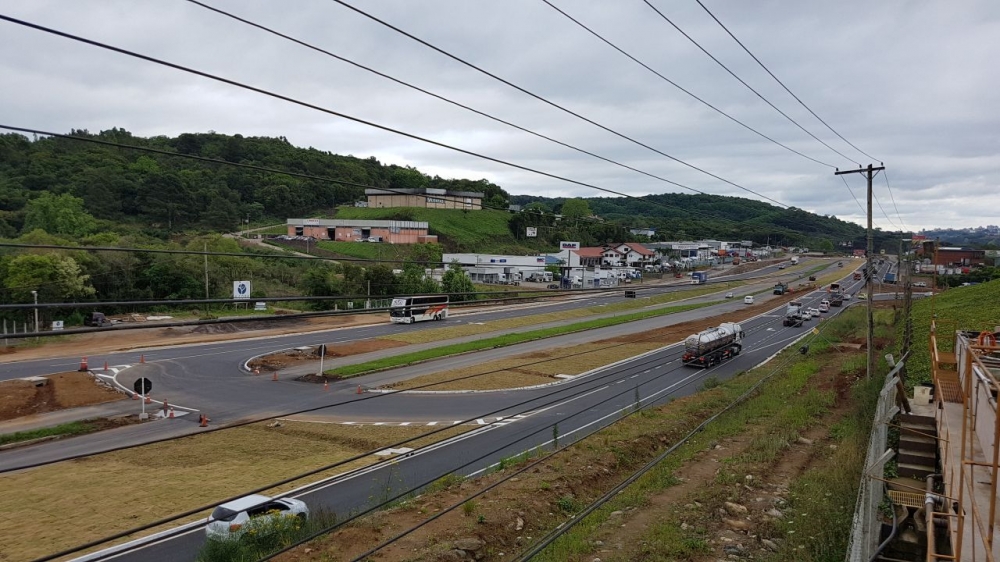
681,88
551,103
860,206
741,81
439,97
893,198
766,69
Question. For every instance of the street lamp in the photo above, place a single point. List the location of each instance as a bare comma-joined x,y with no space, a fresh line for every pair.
35,294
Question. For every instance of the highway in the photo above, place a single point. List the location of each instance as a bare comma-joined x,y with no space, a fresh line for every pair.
579,407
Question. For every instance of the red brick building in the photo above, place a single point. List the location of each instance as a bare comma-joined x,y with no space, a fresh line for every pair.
392,232
951,256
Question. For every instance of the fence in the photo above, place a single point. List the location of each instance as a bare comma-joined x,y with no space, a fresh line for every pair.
867,525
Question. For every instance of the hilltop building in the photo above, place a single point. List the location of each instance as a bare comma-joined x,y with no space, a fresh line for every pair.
424,197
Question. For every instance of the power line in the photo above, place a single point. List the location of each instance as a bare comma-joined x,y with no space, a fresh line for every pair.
681,88
741,81
860,207
326,110
893,198
549,102
754,57
438,96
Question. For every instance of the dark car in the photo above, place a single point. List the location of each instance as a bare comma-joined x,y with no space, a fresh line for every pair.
793,320
812,277
96,319
552,286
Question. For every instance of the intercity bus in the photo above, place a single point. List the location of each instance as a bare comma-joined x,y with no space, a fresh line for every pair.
407,310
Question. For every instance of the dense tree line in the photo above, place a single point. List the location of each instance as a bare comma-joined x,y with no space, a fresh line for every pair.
678,216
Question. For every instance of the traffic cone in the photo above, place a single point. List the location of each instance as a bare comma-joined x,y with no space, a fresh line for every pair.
142,358
326,386
256,370
204,421
359,389
105,365
171,414
148,400
83,365
135,396
274,377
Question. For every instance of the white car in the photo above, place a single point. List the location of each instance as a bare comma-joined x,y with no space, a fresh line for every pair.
748,299
824,306
805,314
230,519
729,295
814,312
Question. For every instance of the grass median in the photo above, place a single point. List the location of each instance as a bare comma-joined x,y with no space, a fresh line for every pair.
503,341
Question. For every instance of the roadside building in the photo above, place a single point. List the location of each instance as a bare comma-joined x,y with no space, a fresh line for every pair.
951,256
346,230
424,197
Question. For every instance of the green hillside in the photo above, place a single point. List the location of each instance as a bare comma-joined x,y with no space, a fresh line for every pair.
976,307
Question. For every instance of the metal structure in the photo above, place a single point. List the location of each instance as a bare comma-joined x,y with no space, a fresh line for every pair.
967,387
867,523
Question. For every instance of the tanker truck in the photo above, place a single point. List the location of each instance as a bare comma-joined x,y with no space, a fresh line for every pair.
714,345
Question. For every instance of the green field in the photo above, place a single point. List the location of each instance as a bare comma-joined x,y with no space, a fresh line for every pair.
484,230
961,308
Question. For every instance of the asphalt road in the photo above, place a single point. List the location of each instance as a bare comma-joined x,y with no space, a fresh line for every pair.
578,408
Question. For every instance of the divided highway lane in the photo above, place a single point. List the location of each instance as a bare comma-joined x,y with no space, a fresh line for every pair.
240,349
580,407
209,378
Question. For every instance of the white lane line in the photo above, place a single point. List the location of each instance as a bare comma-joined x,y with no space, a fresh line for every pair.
404,424
634,376
646,371
481,421
432,423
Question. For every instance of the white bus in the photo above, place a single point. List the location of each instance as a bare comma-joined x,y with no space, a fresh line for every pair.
407,310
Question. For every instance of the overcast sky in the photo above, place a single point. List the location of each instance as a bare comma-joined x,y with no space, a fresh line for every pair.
914,84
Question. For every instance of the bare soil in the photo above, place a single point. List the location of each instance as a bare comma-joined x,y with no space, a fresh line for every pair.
19,398
278,361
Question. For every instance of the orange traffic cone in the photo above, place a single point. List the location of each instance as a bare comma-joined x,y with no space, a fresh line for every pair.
135,396
359,389
204,421
171,414
326,386
83,365
148,400
274,377
256,370
105,365
142,358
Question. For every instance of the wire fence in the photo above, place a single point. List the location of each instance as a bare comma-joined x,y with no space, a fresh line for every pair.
867,525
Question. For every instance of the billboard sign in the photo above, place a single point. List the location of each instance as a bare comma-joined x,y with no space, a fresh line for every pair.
569,245
531,232
241,289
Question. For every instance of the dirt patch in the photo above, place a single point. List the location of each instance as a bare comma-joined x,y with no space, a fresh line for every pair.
278,361
19,398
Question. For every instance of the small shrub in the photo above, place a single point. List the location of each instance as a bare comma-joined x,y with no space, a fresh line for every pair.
710,383
469,508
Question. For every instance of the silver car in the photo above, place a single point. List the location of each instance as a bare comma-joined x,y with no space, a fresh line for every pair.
231,519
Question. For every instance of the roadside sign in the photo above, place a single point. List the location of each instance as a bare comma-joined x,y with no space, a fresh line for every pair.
142,386
531,231
57,325
260,305
241,289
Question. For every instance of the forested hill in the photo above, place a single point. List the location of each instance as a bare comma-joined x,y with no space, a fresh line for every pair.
678,216
165,194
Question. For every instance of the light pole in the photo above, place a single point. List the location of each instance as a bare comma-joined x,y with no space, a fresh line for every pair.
35,294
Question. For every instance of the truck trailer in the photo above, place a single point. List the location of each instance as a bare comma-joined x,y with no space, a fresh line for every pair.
714,345
699,277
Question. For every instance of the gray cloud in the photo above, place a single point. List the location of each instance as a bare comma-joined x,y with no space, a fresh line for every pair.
912,84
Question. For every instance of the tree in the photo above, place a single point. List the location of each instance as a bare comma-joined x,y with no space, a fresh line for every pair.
456,281
575,208
56,278
58,214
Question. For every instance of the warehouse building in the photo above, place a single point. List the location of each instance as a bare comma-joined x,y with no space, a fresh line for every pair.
425,197
346,230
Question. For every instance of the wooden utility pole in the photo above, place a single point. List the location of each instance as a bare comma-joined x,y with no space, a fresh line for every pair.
869,174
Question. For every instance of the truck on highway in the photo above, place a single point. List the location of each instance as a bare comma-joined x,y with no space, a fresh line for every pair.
857,276
699,277
780,288
890,277
714,345
836,299
834,288
793,307
795,260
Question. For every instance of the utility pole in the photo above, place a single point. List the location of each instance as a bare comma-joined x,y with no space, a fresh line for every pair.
869,174
206,271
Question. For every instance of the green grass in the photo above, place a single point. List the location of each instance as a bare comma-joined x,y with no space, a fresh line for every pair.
484,231
71,428
502,341
961,308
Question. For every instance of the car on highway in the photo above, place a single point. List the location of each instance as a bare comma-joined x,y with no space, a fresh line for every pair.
814,312
748,299
805,314
552,286
232,519
782,266
862,296
824,306
729,295
920,284
792,320
812,277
